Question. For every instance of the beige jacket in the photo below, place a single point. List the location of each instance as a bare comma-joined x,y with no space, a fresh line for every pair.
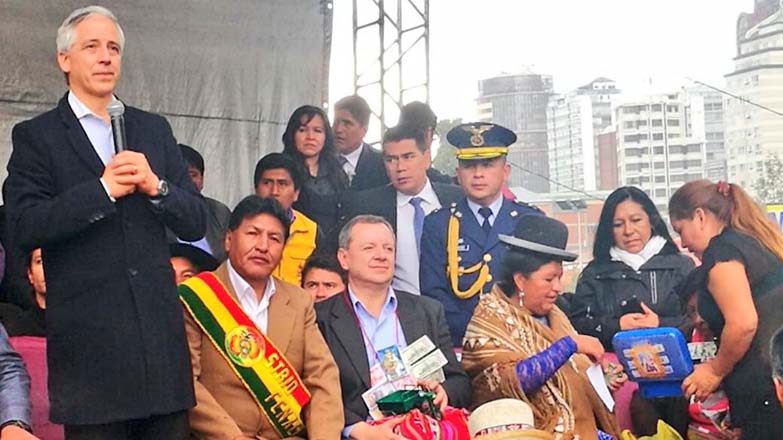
225,409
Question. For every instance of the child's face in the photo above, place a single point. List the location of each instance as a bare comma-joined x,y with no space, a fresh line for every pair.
696,319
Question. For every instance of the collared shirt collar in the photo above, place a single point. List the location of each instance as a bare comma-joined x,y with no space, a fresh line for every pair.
79,108
390,305
426,193
353,157
243,289
494,206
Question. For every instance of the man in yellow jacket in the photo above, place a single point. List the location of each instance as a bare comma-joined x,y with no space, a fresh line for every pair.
277,176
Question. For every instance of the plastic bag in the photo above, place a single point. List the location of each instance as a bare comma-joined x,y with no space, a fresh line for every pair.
664,432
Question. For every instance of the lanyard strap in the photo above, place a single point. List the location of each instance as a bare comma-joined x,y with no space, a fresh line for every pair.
366,337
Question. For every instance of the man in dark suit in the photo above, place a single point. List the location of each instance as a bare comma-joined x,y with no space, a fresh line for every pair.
371,316
362,163
405,203
455,271
118,359
420,116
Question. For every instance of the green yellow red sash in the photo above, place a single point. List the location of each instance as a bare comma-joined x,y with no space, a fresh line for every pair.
259,365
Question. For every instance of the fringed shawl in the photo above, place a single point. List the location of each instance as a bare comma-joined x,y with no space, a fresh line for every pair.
500,334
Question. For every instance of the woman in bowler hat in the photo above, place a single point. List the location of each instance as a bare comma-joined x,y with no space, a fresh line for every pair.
520,345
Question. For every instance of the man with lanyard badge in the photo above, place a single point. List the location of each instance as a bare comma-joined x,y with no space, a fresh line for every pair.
367,326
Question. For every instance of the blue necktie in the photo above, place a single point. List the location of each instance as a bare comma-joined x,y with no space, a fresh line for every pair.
486,213
418,220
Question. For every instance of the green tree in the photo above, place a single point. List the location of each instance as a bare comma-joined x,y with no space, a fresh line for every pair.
769,187
445,161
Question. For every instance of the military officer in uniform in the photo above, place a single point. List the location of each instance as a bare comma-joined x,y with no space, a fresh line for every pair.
460,250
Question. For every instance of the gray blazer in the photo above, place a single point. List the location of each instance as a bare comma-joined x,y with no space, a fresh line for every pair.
14,384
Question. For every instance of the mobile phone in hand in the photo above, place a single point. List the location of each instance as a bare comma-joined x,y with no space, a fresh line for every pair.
630,305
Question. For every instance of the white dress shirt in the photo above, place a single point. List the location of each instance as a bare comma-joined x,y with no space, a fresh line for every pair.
351,161
406,265
98,130
494,206
257,311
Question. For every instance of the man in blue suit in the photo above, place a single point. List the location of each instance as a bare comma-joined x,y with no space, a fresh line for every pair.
460,250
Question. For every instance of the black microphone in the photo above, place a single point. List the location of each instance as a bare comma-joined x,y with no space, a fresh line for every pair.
116,110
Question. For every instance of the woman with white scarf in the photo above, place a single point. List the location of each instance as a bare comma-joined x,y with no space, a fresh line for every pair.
636,265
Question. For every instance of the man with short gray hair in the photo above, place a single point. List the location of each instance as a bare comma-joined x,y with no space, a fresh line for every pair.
118,360
370,317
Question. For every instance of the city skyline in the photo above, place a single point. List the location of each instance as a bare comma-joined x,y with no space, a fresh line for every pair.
645,47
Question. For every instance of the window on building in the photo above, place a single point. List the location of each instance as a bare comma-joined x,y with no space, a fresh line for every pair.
632,110
658,149
656,107
660,179
673,122
661,192
672,108
659,165
631,138
714,135
658,137
657,123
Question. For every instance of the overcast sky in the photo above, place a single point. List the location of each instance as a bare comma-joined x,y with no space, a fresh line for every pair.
629,41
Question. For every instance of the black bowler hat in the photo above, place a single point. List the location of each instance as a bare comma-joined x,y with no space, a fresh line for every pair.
198,257
540,234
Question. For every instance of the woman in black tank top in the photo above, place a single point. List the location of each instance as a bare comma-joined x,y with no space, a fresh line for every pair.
742,299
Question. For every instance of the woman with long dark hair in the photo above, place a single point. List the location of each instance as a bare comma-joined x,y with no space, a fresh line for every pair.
741,298
632,284
635,261
308,139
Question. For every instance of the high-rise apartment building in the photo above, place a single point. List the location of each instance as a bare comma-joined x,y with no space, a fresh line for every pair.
754,133
656,150
518,102
706,122
574,122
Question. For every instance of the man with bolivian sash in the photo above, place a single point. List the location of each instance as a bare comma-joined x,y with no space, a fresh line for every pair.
460,249
261,368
